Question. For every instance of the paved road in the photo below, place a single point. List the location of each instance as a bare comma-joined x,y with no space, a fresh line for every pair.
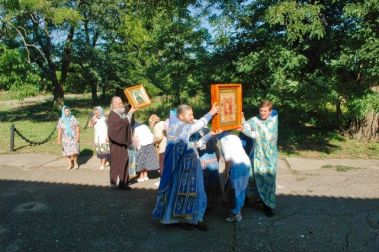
323,205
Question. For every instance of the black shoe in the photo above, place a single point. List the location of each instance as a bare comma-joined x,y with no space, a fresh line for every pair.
202,226
268,211
121,187
125,187
113,186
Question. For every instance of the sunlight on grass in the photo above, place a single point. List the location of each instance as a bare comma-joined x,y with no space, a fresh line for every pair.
36,121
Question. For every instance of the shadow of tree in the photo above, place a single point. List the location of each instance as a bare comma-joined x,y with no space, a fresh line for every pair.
293,135
293,140
43,111
70,217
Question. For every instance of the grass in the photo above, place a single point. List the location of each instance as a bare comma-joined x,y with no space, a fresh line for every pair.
35,120
314,143
3,96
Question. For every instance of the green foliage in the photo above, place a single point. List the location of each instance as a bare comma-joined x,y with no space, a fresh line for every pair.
299,19
277,69
23,91
317,60
362,105
21,78
53,10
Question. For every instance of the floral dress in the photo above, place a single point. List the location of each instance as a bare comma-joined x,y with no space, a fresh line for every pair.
101,138
69,145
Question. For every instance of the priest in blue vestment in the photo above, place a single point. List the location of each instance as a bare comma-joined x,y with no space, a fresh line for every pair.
181,197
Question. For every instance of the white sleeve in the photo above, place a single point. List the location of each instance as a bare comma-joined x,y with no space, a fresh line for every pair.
201,123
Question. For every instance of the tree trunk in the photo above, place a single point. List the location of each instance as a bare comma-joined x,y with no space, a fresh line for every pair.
66,59
58,94
58,89
339,114
365,129
103,90
95,99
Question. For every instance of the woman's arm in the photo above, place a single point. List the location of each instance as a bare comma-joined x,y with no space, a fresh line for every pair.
59,135
157,140
77,135
158,133
92,122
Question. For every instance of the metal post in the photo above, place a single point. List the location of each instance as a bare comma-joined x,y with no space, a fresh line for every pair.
11,143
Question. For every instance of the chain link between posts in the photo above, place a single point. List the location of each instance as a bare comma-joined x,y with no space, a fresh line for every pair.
31,142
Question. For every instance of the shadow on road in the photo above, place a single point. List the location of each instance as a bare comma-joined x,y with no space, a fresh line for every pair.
84,156
41,216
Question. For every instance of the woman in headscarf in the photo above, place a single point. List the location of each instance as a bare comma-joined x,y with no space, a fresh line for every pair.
68,136
101,136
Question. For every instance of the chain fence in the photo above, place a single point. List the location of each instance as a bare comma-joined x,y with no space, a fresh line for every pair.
31,142
14,131
19,137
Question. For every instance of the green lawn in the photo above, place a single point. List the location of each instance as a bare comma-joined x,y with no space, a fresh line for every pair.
36,120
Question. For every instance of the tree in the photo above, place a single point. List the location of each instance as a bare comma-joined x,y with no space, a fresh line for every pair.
16,75
179,55
306,56
45,29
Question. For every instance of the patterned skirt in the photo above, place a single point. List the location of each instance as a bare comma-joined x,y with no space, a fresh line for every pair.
70,148
102,151
147,158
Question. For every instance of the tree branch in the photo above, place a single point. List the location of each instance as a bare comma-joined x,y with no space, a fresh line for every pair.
23,38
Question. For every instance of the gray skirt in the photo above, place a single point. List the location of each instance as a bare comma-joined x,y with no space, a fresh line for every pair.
147,158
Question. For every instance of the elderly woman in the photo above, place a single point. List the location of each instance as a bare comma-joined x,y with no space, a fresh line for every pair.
147,159
99,123
68,136
160,137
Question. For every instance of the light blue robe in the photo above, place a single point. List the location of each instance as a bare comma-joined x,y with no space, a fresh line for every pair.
264,157
181,196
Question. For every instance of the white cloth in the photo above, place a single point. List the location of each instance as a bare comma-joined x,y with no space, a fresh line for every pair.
101,131
142,136
233,151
